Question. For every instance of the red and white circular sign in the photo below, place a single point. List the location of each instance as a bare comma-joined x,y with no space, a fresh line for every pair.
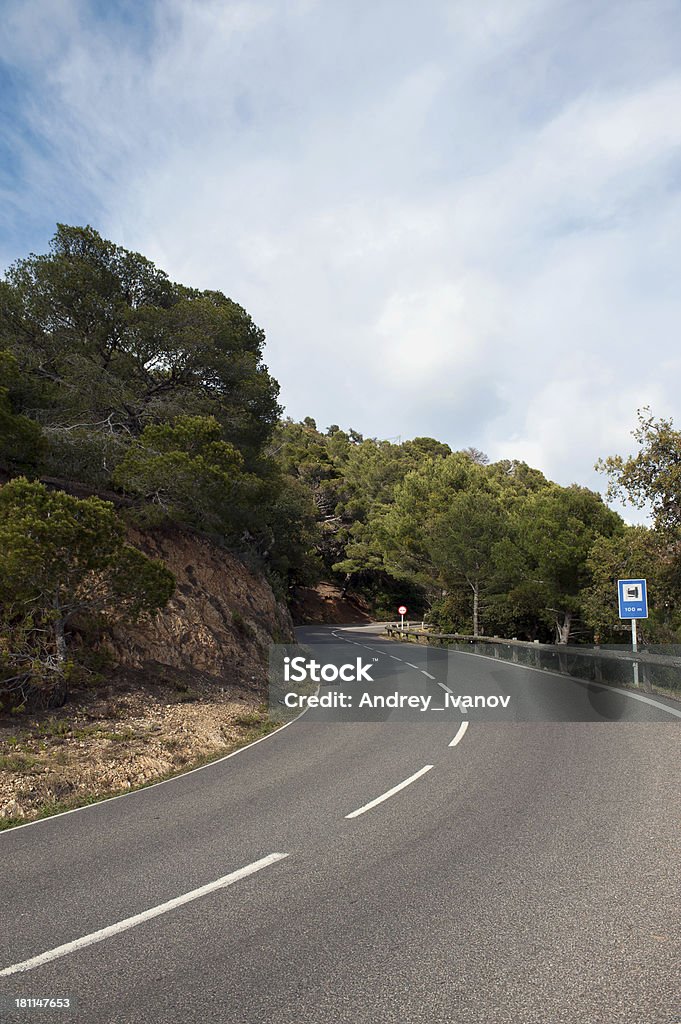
401,610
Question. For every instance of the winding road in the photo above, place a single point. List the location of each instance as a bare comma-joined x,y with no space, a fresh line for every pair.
519,865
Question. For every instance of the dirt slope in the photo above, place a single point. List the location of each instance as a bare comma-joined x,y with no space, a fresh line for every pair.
327,603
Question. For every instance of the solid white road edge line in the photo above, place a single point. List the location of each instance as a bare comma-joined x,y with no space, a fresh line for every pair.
459,734
146,915
639,696
154,785
391,792
574,679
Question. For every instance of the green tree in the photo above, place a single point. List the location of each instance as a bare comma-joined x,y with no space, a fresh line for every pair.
63,557
636,552
515,542
464,543
122,378
403,526
352,480
288,538
652,479
22,443
186,472
309,457
107,338
653,476
555,529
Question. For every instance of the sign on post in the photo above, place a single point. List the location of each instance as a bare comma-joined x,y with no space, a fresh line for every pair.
633,602
633,599
402,610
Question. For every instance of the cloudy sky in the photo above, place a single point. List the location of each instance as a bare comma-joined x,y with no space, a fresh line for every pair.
457,218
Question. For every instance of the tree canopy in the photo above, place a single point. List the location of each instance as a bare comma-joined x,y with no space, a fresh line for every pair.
117,377
105,338
61,557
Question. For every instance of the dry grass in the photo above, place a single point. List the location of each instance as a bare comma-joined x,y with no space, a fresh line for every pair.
98,746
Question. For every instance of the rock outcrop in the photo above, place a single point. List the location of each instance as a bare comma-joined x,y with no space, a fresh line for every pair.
326,602
219,623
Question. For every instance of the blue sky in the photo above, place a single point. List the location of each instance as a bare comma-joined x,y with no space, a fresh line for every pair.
458,219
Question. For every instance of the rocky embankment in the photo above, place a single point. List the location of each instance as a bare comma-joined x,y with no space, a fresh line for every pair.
326,602
218,624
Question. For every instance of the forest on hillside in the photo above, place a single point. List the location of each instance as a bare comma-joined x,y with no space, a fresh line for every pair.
126,398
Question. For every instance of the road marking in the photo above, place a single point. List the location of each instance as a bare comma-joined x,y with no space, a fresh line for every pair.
460,734
445,688
146,915
412,666
154,785
395,658
427,674
391,792
572,679
644,700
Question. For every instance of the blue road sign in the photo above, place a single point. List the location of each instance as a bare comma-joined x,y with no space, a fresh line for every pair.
633,599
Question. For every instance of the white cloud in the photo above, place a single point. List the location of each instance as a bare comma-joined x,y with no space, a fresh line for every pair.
439,337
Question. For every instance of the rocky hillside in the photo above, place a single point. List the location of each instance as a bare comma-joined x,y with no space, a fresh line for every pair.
326,602
217,626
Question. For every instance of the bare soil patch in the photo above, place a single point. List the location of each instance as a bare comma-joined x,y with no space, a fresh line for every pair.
326,603
125,736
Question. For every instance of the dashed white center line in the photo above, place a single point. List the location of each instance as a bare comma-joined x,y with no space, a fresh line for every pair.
427,674
412,666
460,734
445,687
391,792
395,658
146,915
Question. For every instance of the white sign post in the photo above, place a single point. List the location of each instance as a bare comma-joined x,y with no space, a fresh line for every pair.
633,603
402,611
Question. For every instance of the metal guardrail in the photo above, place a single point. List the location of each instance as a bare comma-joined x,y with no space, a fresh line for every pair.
656,672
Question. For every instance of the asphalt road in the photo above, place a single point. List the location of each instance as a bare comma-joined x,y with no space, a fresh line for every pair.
528,874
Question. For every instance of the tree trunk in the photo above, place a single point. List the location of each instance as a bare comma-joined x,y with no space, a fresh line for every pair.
59,635
59,692
563,628
476,607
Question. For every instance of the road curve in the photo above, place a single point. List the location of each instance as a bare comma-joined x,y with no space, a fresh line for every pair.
443,868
